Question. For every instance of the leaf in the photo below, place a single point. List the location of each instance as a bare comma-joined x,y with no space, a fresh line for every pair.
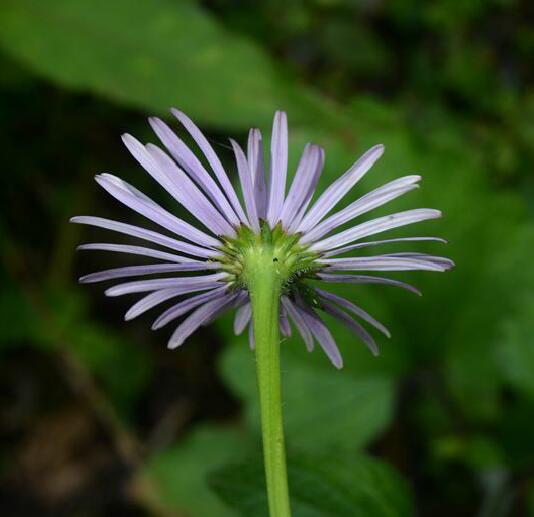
173,480
17,316
151,55
102,350
515,349
320,486
323,407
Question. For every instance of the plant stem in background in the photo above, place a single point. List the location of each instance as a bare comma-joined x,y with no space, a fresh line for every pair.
264,283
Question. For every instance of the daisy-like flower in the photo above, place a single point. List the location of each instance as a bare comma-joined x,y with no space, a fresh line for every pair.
208,270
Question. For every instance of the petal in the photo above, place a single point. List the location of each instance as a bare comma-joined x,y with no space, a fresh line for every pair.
342,316
251,339
187,305
213,160
198,317
444,262
137,201
189,195
155,298
307,173
135,250
285,327
359,245
246,186
165,171
124,272
381,224
374,199
358,311
300,322
321,333
147,235
237,302
257,170
309,193
141,286
382,263
242,318
340,187
278,168
193,166
365,279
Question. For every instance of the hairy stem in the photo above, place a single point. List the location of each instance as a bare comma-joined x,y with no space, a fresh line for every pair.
264,283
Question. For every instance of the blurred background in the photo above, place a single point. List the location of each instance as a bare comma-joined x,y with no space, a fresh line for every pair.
98,418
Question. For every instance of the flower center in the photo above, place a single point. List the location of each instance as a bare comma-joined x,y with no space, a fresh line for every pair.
272,251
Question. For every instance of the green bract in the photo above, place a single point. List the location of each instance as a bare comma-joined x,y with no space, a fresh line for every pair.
248,250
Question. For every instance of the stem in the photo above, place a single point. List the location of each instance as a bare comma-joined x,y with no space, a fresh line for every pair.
264,284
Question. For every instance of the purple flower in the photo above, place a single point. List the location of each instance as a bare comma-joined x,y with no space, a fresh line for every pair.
305,235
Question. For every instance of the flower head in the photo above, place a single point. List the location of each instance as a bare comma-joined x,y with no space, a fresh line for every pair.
301,238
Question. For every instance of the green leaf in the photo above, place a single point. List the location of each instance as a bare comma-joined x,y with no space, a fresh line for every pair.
326,485
101,350
323,407
173,480
17,317
151,55
515,349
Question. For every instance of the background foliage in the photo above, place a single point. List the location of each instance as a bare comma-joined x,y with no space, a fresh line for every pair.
98,418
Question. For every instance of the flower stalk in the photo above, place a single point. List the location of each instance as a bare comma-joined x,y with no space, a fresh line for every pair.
264,278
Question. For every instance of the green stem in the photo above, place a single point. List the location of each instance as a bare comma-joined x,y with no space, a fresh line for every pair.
264,284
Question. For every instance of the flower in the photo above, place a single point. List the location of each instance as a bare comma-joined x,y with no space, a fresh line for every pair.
302,236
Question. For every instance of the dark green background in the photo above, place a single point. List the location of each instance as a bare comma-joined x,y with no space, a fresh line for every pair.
98,418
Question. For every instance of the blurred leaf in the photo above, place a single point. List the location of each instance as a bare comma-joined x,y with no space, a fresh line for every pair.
516,348
173,480
515,433
320,486
17,318
152,55
323,407
103,351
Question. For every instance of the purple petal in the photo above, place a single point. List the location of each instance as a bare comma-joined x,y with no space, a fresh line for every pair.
165,171
443,262
321,334
238,301
198,317
381,224
366,279
136,250
141,286
358,311
308,192
147,235
340,187
304,178
278,168
155,298
382,263
189,195
257,170
124,272
187,305
374,199
137,201
213,160
299,321
193,166
342,316
246,186
359,245
285,327
242,318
